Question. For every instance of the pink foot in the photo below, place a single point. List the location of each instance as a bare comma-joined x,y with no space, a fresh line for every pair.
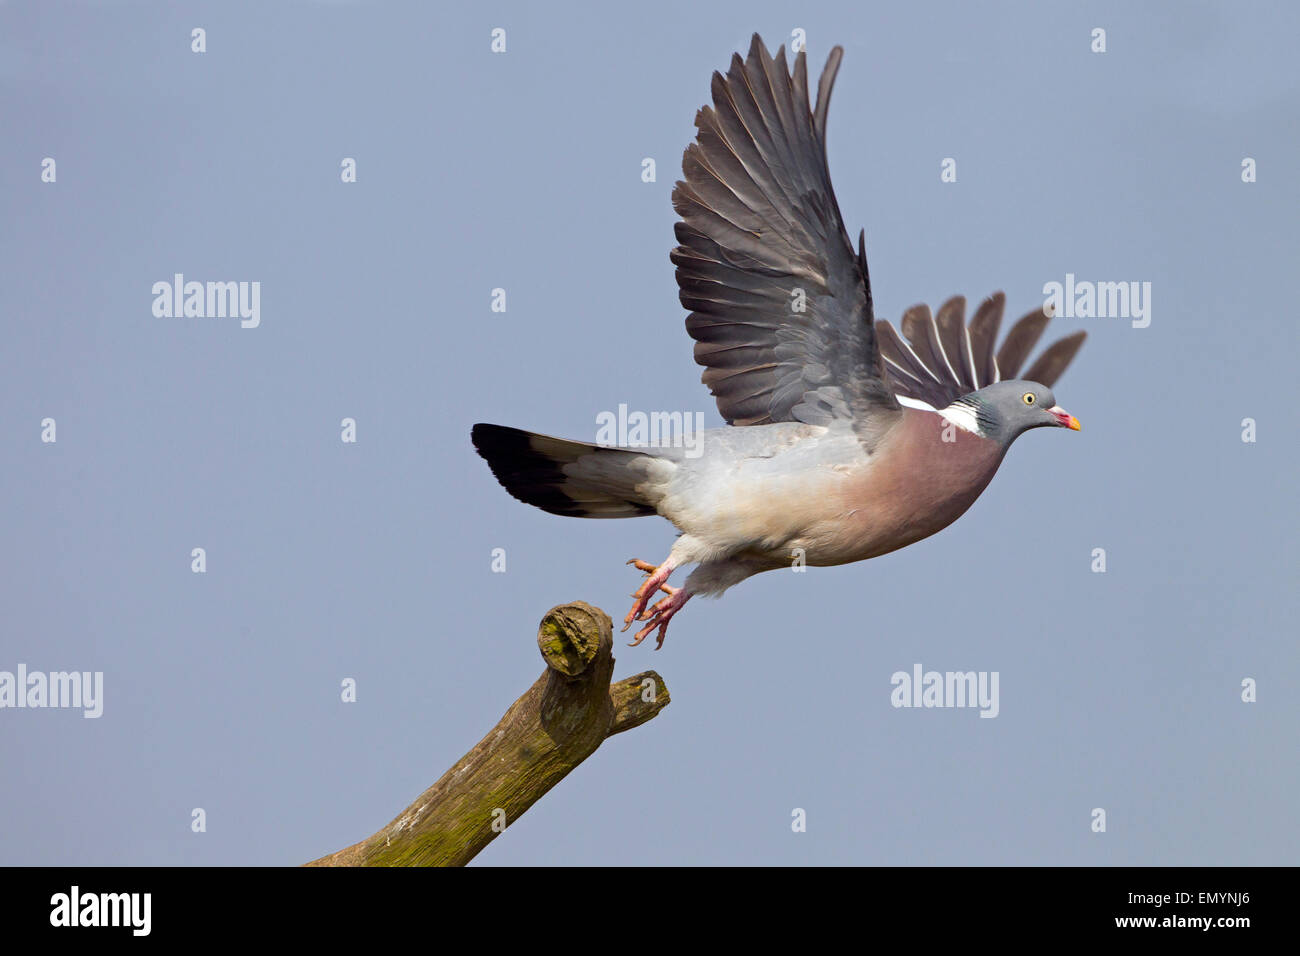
659,616
657,580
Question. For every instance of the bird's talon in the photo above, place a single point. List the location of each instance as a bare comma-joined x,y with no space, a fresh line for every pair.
657,615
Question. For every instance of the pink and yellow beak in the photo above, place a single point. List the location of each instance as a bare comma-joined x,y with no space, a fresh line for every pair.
1064,418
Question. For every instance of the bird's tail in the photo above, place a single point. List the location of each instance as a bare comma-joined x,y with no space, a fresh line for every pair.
573,478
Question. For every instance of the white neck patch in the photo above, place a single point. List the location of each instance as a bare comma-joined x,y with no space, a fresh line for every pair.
963,416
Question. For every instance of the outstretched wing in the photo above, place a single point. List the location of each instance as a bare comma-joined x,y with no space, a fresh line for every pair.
939,358
780,304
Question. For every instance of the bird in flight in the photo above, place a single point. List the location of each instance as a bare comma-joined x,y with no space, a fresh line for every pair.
846,440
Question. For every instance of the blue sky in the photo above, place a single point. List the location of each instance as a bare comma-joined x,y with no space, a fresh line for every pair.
522,170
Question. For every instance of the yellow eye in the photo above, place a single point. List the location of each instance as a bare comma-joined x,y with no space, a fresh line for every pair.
1027,398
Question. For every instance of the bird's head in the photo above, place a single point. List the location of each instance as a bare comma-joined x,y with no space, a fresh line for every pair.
1005,410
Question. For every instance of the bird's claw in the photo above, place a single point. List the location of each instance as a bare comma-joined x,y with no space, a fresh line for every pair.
658,617
656,580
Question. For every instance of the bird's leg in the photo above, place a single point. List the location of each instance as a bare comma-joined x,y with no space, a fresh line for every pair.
658,578
648,568
660,615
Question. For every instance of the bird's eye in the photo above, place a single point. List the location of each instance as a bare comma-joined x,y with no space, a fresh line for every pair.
1027,398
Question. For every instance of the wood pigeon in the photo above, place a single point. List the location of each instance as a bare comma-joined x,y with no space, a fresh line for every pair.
849,440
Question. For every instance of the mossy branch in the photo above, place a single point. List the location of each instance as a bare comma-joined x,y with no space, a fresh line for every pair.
558,722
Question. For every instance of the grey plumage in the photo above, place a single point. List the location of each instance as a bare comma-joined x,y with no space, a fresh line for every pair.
780,305
569,478
829,466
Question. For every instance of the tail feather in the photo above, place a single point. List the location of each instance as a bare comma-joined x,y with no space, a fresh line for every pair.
571,478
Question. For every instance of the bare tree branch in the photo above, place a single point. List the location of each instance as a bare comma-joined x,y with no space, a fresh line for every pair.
558,722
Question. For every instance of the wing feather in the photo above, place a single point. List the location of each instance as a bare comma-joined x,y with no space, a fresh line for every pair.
780,305
937,360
